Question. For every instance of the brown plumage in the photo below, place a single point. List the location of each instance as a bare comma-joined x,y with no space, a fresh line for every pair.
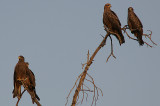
19,76
31,82
111,21
135,25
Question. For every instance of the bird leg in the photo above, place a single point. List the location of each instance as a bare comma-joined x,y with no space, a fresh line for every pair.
125,27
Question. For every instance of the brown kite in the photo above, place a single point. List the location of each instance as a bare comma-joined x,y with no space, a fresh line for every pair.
135,25
31,82
19,76
111,21
24,76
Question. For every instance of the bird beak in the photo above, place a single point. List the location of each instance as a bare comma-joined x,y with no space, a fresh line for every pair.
19,57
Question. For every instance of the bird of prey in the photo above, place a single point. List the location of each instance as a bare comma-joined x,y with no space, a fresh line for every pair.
31,82
24,76
111,21
135,25
19,76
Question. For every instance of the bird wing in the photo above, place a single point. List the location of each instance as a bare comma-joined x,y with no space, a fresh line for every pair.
31,77
133,21
138,20
114,19
14,79
110,19
15,75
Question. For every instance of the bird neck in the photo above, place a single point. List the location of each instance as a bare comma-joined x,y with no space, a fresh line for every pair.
107,9
21,60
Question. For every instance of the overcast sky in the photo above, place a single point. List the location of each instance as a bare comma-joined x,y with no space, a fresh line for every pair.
54,37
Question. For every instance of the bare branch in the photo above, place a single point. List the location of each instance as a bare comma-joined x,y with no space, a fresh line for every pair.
88,56
87,60
83,95
146,35
149,36
78,89
87,87
111,54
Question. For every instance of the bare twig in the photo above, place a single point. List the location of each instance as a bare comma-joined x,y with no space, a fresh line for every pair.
73,88
88,56
146,35
83,95
111,54
83,65
18,101
87,60
95,98
149,36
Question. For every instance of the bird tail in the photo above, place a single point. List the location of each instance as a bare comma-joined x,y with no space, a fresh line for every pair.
17,91
36,95
120,37
14,93
140,40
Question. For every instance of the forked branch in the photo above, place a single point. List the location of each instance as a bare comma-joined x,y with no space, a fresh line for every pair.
149,36
82,76
111,54
146,35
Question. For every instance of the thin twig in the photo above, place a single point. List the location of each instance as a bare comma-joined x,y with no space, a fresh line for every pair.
149,36
73,88
111,54
146,35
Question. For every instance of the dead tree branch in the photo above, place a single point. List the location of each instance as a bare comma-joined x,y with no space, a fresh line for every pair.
73,87
111,54
78,89
149,36
146,35
82,76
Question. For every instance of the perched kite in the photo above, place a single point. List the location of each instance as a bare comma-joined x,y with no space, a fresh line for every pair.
31,82
111,21
19,76
135,25
24,76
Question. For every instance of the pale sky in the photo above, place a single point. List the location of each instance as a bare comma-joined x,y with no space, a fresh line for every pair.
54,37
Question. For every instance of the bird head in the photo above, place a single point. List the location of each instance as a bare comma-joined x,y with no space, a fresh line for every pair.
108,5
27,64
130,9
21,58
